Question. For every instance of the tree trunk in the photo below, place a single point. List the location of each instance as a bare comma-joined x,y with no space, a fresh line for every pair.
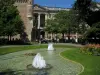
94,40
63,37
10,37
56,37
38,35
69,33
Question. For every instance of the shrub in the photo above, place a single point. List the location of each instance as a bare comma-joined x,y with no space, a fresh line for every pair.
82,41
91,49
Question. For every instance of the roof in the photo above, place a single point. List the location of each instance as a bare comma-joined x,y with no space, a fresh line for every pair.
50,8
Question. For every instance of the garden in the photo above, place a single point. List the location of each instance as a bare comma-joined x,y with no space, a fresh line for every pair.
16,56
72,60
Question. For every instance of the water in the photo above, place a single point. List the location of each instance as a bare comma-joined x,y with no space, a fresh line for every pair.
39,62
50,46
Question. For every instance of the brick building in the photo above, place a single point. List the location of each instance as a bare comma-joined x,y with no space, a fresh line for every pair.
25,10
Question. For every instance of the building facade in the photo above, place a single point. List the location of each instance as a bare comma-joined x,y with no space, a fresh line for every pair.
34,17
25,8
41,14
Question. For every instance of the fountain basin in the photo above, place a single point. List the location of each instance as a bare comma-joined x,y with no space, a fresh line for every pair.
30,67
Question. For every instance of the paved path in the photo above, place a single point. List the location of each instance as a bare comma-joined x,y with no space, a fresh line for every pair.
18,61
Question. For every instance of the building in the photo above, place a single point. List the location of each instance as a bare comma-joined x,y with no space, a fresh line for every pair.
41,14
25,8
34,17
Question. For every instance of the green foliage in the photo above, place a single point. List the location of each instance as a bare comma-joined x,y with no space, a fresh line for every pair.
10,21
86,10
64,20
91,49
93,33
86,14
82,40
83,8
51,26
87,50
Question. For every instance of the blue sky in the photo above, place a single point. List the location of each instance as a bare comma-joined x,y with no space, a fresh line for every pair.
56,3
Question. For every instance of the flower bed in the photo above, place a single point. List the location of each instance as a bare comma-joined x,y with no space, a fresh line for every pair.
91,49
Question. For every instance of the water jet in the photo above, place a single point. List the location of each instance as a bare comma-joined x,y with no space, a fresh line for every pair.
50,47
39,62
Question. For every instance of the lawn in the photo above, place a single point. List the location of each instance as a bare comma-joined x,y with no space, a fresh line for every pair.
91,63
5,50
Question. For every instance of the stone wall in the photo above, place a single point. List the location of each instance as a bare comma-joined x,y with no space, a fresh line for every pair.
25,11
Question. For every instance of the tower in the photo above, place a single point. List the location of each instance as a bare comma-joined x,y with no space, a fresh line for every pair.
25,8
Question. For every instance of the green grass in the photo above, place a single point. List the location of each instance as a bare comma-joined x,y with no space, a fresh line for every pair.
7,50
28,47
91,63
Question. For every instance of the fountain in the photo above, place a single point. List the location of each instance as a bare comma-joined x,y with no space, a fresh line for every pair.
39,65
50,47
39,62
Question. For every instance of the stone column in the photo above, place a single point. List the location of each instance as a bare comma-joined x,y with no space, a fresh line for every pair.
38,21
38,27
46,17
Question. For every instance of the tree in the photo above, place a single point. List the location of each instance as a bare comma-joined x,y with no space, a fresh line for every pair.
83,8
87,14
10,21
93,34
51,26
65,20
87,11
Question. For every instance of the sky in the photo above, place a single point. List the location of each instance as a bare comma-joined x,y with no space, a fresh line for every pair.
56,3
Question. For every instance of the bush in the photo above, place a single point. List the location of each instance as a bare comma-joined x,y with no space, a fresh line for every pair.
91,49
3,41
13,42
93,34
82,41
